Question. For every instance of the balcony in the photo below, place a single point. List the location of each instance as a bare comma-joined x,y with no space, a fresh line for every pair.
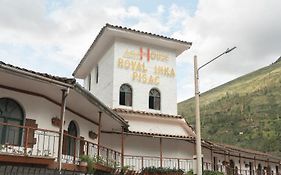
140,162
27,145
34,146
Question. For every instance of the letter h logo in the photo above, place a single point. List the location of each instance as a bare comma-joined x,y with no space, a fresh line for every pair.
145,54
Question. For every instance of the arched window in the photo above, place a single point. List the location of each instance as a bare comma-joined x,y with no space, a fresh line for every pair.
154,99
11,113
73,131
125,95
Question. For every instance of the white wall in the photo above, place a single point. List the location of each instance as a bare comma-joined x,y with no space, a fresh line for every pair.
173,148
206,154
149,146
160,125
104,88
167,85
43,111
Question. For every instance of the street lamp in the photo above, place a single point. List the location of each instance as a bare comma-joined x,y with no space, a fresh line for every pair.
197,109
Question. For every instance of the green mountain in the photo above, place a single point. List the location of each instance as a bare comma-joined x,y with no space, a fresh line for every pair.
245,112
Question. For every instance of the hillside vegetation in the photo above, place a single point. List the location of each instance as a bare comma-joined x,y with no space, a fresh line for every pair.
245,112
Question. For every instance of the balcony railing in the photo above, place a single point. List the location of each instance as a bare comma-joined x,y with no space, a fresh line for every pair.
21,140
80,147
43,143
36,142
140,162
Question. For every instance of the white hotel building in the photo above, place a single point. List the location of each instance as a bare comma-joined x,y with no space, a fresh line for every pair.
126,112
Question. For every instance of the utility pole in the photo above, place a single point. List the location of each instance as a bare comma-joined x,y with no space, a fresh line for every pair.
198,123
197,110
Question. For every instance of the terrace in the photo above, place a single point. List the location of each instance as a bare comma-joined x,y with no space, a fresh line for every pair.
28,145
22,145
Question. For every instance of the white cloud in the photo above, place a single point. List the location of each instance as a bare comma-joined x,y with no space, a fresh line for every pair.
177,14
253,26
160,9
149,22
62,35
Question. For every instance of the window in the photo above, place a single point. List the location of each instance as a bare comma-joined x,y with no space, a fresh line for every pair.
69,141
97,74
72,130
125,96
11,113
154,99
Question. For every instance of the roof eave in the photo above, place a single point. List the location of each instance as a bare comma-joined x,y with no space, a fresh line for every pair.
151,114
184,44
35,75
88,51
78,88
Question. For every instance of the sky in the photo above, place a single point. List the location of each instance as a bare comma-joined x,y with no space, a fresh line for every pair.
52,36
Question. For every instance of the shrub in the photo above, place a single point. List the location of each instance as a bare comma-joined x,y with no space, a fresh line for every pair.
209,172
160,170
206,172
190,172
90,162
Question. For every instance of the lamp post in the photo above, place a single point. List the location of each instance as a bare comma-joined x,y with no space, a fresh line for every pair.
197,109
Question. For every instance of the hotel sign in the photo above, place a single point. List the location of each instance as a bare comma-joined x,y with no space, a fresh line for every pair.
137,62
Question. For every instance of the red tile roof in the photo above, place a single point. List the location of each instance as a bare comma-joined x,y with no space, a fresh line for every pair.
146,33
70,81
159,135
128,111
67,81
124,29
239,149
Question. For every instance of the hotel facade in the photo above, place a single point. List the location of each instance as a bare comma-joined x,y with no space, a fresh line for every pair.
125,113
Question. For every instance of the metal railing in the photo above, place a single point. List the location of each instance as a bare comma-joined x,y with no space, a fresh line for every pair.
227,170
21,140
43,143
36,142
140,162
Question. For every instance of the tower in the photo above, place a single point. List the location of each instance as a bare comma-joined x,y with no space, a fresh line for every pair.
132,70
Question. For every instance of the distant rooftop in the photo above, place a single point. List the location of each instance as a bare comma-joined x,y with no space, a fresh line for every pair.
278,60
